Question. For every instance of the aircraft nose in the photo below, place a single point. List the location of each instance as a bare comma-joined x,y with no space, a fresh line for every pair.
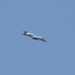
22,33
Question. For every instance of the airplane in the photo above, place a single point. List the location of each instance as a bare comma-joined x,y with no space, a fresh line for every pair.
25,33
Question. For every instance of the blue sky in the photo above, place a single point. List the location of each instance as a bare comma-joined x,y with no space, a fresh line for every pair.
52,19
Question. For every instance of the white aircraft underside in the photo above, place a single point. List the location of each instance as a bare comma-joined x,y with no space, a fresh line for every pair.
33,36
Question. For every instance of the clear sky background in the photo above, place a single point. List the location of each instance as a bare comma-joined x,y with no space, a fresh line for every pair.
51,19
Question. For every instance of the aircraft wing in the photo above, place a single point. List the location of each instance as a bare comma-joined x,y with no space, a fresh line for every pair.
43,39
38,38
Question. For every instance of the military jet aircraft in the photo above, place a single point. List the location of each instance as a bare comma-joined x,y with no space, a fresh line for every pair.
33,36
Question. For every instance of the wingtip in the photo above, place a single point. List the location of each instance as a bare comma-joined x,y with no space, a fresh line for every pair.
45,41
